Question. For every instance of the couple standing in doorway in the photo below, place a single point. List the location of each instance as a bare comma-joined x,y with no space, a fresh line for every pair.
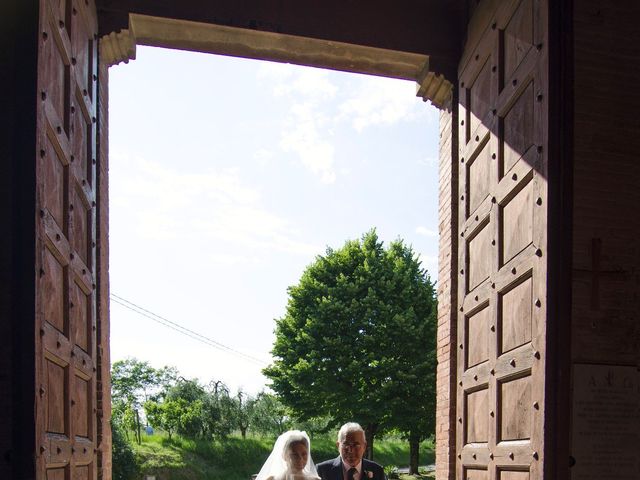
290,458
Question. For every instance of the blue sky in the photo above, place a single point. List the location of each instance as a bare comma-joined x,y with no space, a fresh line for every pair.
228,176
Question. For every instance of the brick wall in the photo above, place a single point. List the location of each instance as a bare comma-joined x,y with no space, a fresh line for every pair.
447,294
102,252
605,321
605,324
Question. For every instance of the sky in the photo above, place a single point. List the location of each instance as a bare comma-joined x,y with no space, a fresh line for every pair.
229,176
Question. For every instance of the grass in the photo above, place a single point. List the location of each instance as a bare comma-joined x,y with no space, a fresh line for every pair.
393,451
404,476
238,459
186,459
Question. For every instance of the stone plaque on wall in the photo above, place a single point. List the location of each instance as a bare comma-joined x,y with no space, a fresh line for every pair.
605,422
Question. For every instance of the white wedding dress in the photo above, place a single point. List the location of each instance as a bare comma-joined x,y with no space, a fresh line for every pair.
276,466
294,476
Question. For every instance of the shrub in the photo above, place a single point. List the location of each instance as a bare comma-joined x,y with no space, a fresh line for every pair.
391,471
124,462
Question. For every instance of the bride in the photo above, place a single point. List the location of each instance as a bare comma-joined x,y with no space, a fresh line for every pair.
290,459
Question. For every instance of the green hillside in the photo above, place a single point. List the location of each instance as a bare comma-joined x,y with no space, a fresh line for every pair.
238,459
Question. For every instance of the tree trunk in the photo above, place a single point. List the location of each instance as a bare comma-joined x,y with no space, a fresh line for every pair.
243,431
369,433
138,432
414,455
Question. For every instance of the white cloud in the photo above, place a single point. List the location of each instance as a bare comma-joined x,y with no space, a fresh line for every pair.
263,156
382,101
289,80
421,230
276,71
192,206
310,83
305,138
308,127
324,103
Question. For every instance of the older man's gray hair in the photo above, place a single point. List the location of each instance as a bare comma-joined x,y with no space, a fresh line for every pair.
349,428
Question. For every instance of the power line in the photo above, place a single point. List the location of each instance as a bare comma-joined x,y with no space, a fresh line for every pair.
180,329
183,330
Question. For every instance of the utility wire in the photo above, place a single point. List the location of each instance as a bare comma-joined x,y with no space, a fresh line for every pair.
183,330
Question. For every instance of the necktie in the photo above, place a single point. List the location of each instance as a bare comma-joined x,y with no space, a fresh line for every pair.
351,473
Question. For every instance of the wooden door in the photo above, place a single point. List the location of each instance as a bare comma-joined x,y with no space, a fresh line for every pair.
66,347
502,245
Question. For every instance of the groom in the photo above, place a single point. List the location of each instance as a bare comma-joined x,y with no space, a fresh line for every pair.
350,465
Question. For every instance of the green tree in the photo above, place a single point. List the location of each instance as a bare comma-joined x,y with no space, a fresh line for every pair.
269,415
315,425
219,410
413,412
190,422
134,382
166,415
243,412
189,390
123,416
192,397
357,325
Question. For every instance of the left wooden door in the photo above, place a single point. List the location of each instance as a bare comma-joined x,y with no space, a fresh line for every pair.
66,317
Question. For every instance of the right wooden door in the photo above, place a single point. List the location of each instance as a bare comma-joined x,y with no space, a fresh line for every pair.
502,253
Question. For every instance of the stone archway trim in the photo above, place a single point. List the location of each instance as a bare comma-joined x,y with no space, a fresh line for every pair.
239,42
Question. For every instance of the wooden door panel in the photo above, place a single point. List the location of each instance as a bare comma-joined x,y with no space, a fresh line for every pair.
56,412
516,222
66,301
80,316
518,37
477,326
515,314
55,183
83,472
478,259
79,222
513,475
54,279
55,64
479,174
479,94
502,285
477,416
82,407
80,127
81,38
476,474
517,129
56,474
514,400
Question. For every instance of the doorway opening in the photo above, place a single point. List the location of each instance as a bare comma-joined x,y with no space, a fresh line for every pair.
235,168
227,178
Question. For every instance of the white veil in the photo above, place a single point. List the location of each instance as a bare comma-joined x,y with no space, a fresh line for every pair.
276,465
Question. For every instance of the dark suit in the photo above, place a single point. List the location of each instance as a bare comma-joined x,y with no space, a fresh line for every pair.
332,470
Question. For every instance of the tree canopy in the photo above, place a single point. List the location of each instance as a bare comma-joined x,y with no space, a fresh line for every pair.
134,382
358,337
